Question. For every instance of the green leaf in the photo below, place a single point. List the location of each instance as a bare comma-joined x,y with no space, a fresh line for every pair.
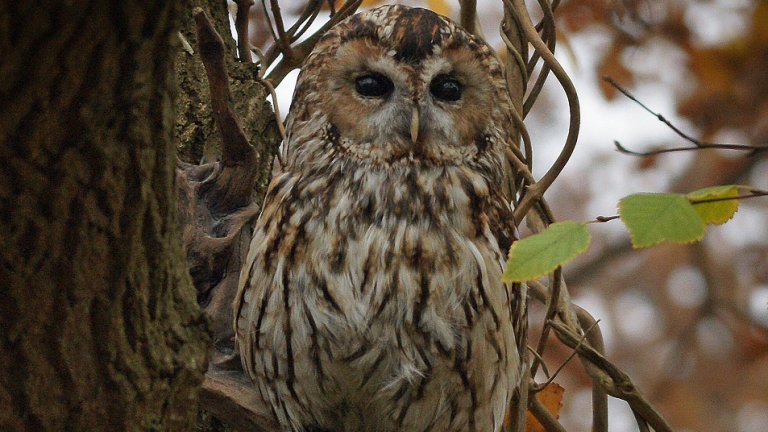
539,254
719,211
654,218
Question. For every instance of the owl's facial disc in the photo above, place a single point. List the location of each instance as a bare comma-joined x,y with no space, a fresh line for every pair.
415,88
387,109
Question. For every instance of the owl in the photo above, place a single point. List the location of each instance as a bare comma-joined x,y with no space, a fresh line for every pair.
371,297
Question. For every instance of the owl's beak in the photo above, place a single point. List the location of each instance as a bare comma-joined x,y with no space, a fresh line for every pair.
415,124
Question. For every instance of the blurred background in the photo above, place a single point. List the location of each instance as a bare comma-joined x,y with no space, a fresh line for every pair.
689,323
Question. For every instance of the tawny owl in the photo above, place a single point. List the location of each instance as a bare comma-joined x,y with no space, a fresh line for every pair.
371,298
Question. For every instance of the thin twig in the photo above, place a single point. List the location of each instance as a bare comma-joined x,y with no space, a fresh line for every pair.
698,145
551,378
552,310
306,19
308,16
544,417
539,359
519,61
605,218
754,193
282,38
276,108
547,23
300,52
642,425
620,384
599,397
271,27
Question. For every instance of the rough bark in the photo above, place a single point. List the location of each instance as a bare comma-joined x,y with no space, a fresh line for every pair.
198,136
99,328
221,110
212,238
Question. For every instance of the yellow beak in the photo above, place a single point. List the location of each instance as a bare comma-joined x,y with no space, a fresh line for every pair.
415,124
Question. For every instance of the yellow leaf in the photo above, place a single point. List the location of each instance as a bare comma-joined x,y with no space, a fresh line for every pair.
365,3
439,6
551,397
717,204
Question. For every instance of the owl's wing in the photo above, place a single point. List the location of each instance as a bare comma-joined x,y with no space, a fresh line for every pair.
502,225
502,221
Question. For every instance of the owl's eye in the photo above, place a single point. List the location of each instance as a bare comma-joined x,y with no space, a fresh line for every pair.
446,88
374,85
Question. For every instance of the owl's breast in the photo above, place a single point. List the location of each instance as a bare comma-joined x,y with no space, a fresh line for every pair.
382,281
386,254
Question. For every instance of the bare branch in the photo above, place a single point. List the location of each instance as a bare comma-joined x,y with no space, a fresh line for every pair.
642,425
551,378
241,26
619,385
276,48
299,53
552,309
276,108
468,16
698,145
308,16
236,148
282,38
599,397
535,192
547,25
544,417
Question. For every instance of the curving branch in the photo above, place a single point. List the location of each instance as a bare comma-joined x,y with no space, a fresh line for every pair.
547,27
599,396
553,308
535,191
617,383
237,149
294,55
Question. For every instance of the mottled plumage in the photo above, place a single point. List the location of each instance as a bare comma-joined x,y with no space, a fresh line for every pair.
371,297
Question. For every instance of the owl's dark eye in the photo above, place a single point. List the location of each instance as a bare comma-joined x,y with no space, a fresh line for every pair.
374,85
446,88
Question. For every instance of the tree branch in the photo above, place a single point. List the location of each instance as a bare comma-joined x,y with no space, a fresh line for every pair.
698,145
236,148
535,192
241,25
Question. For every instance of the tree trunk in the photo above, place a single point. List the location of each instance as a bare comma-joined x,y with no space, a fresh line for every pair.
199,139
99,327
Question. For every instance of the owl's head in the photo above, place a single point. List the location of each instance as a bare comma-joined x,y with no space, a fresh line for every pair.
397,85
